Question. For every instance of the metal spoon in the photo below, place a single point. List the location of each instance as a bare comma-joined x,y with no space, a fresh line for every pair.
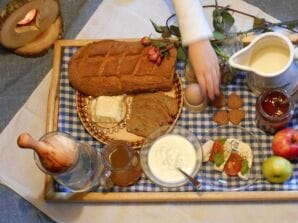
194,181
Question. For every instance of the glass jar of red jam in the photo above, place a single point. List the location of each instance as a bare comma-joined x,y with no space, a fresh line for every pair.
274,110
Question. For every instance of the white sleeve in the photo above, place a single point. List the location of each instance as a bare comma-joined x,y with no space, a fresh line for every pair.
192,22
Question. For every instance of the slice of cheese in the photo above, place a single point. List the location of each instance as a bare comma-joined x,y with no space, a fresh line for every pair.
207,148
245,152
108,109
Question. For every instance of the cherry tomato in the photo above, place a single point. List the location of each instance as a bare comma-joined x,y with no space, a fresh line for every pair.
233,165
216,148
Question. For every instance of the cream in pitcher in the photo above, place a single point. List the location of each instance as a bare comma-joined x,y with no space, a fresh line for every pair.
270,59
269,62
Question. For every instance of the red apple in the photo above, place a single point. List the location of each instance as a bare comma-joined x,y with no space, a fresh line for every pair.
285,143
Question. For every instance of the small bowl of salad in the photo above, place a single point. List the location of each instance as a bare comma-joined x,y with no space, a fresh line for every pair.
232,157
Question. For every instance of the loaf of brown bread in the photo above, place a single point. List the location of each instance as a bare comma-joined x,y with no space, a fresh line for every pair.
112,67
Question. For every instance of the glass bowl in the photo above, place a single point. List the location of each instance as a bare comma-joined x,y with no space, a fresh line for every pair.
164,151
221,181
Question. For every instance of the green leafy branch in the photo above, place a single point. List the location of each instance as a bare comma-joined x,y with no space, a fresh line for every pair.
223,21
260,25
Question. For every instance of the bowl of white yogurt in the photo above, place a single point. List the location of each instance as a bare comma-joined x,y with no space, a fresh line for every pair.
164,152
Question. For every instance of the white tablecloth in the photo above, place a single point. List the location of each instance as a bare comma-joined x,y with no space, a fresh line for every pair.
121,19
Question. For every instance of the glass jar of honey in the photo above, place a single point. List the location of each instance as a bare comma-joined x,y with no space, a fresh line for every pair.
122,163
274,110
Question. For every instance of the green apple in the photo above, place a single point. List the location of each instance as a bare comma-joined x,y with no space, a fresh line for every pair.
277,169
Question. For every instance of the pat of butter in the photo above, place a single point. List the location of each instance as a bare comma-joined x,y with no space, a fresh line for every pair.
108,109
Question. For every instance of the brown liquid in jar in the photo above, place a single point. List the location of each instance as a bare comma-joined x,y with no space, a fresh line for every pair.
273,110
123,162
119,158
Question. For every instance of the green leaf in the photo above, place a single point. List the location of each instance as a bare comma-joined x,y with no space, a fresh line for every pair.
217,21
156,27
228,20
165,32
166,53
181,53
244,167
219,158
267,30
175,30
220,53
218,36
258,22
223,140
159,44
291,26
177,44
222,20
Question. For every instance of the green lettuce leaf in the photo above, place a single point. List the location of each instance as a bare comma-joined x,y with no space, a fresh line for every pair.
245,167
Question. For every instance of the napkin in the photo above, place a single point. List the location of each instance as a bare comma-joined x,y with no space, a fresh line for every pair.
120,19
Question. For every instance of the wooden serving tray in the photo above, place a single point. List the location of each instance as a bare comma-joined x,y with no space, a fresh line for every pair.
193,196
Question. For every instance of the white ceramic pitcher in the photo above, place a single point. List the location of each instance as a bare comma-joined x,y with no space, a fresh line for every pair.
265,68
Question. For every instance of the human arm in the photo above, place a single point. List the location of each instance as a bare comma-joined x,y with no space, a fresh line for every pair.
195,33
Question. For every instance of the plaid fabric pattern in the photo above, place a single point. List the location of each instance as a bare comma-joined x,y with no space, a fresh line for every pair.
198,123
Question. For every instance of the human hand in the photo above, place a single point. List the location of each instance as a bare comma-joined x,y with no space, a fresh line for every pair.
205,65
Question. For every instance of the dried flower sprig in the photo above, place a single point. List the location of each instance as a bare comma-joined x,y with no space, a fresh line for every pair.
158,50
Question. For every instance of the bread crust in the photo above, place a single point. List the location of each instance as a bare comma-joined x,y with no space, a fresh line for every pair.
111,67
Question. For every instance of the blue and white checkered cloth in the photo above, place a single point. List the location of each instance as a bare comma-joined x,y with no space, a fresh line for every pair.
198,123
